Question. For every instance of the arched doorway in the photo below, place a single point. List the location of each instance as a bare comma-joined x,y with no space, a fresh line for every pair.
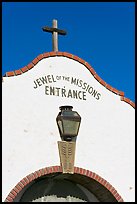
49,184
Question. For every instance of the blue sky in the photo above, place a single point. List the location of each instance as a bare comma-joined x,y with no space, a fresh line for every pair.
102,33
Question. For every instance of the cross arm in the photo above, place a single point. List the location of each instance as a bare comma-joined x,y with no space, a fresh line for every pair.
51,30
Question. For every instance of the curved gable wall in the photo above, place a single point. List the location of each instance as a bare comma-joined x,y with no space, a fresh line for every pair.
105,143
74,57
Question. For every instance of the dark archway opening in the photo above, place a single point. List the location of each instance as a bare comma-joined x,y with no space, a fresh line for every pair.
70,187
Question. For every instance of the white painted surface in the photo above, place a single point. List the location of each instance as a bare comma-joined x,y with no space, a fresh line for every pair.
106,139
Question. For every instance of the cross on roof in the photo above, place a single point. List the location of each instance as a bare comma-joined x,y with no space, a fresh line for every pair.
55,31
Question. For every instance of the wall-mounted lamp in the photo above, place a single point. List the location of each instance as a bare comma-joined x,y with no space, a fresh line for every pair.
68,122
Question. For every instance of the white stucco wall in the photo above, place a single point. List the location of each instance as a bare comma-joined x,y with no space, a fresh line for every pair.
106,139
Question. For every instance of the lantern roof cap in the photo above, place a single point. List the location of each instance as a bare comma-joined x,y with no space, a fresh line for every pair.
66,107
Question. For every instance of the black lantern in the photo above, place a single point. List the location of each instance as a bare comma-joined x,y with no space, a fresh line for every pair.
68,122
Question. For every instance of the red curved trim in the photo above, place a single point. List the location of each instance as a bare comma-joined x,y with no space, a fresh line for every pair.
74,57
54,169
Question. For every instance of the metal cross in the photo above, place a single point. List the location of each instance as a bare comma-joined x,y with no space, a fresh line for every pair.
55,31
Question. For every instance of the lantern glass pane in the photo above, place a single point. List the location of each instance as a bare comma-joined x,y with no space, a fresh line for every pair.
60,126
70,127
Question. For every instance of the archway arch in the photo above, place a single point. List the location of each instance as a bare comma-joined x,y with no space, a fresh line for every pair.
50,183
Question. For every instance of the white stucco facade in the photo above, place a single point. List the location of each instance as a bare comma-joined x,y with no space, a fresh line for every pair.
106,139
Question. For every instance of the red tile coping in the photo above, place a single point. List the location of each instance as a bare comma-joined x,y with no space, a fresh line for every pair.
127,100
74,57
54,169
